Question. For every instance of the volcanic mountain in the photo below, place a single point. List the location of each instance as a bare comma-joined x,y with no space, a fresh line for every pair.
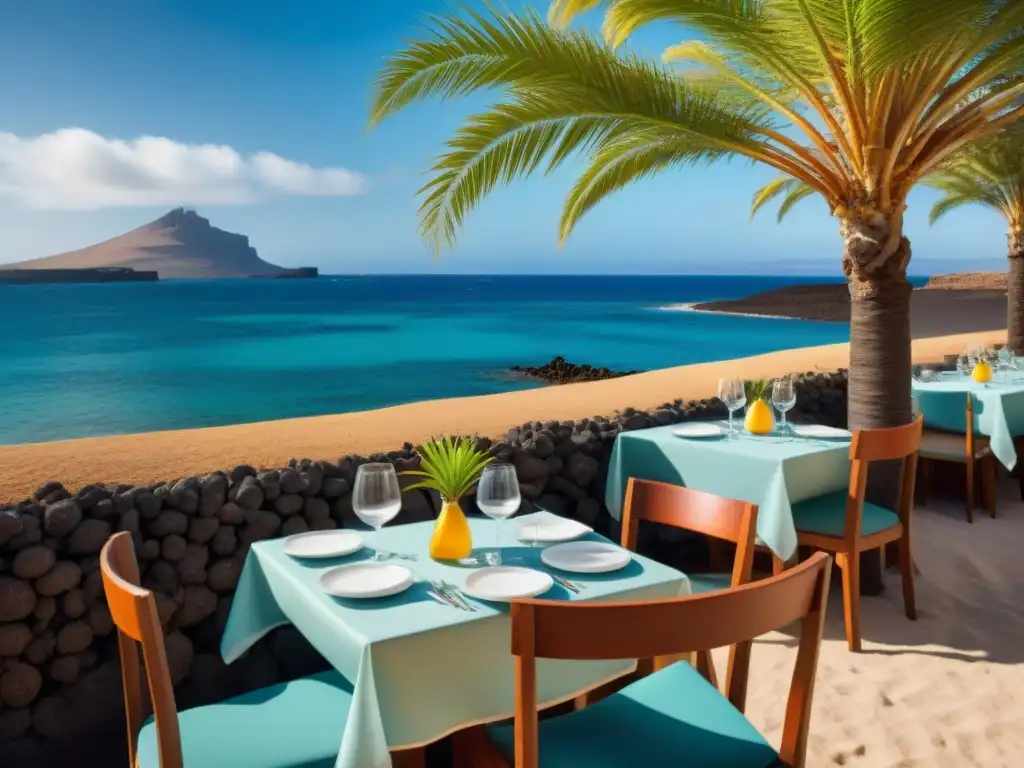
181,243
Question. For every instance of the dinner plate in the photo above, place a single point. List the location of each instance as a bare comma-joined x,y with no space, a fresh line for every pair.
698,429
821,432
322,544
586,557
549,530
367,579
507,582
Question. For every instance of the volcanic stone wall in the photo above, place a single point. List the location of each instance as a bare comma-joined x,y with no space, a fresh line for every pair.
59,673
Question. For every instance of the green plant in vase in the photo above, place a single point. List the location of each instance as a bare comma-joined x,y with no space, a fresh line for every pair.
759,419
450,466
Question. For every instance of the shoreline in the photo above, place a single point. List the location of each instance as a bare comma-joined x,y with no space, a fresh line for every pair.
693,306
160,456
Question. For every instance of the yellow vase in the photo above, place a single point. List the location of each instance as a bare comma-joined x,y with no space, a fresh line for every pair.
982,372
452,539
759,419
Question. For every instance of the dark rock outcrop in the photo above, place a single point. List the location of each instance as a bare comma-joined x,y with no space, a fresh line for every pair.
560,371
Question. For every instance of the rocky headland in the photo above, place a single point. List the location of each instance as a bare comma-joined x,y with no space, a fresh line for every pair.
180,244
947,304
561,371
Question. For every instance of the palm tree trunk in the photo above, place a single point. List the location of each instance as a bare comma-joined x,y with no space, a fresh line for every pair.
875,262
1015,291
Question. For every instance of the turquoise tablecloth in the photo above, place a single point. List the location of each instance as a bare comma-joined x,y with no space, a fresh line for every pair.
771,471
421,670
998,410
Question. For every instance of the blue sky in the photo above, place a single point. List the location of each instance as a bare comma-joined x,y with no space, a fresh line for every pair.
294,79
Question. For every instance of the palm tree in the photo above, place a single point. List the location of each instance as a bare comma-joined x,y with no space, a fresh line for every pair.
991,173
856,99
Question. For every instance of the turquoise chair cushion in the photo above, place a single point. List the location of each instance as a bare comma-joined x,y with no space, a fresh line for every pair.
671,719
293,725
709,582
827,515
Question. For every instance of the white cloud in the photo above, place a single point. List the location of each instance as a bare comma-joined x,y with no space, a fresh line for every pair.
76,169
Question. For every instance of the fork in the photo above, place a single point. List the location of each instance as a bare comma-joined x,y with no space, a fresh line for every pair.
456,595
570,585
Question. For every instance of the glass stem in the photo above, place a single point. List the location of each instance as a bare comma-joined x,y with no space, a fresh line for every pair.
497,534
377,554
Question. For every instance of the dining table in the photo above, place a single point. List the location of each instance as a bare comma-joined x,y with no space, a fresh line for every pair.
998,407
773,470
422,669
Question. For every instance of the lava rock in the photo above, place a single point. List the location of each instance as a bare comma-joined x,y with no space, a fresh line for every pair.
32,562
100,620
20,683
17,599
202,529
333,487
249,495
289,504
74,603
192,567
316,509
89,537
168,522
223,575
61,518
199,603
10,525
293,525
13,639
224,541
173,548
64,576
74,638
232,514
65,669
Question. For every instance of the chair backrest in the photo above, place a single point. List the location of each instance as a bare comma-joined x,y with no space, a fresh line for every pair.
887,444
583,630
705,513
134,612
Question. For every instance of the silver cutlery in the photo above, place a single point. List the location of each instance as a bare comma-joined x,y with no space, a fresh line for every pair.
446,595
571,586
456,595
441,599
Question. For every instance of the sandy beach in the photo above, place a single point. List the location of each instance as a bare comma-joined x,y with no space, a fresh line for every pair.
160,456
944,691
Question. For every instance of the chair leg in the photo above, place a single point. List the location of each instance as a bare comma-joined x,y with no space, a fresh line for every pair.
849,562
778,565
990,476
410,758
924,485
969,492
907,572
706,667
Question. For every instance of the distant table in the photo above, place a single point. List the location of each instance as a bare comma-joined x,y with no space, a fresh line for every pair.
772,471
422,670
998,410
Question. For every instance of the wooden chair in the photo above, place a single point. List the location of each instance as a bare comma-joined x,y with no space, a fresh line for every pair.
968,449
726,519
844,523
293,724
674,716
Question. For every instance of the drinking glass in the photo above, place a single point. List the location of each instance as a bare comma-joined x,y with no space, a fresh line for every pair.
963,365
1005,360
733,393
972,354
376,499
783,398
497,495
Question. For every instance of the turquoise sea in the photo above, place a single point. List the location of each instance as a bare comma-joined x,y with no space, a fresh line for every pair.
82,360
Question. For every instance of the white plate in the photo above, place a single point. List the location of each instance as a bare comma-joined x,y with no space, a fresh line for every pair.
586,557
506,582
368,579
698,429
820,431
321,544
549,530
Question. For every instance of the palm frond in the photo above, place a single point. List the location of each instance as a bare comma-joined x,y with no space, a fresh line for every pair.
450,466
800,191
777,186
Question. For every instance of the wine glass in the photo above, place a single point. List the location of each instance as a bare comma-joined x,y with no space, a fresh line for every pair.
376,499
972,354
1005,360
733,393
963,365
783,398
497,496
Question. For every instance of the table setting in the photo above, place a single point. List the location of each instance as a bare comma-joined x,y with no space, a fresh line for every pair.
773,464
996,386
425,640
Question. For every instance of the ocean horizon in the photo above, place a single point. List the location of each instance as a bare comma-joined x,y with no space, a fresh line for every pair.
101,359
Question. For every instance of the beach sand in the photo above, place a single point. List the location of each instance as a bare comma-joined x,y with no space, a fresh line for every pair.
945,691
161,456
